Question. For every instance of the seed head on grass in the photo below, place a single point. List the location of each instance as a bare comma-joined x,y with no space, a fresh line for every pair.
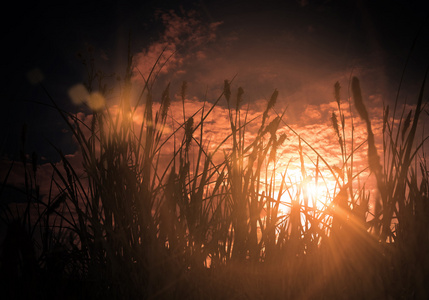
337,129
227,90
337,92
335,124
188,132
272,127
273,100
357,96
270,105
373,158
165,102
277,142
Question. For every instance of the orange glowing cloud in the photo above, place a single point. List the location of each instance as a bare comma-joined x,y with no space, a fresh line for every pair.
166,55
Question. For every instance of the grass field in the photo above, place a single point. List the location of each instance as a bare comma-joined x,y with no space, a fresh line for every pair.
154,211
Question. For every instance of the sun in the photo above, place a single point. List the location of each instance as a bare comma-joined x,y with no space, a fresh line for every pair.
313,194
318,194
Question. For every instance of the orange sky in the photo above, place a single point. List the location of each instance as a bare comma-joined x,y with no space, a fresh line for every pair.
300,49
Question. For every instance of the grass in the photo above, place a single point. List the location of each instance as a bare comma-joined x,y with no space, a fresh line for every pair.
139,221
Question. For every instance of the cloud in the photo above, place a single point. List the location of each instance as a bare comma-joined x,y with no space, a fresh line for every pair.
184,38
311,112
205,54
202,54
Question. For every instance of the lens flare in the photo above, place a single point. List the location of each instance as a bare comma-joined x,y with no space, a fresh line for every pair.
80,95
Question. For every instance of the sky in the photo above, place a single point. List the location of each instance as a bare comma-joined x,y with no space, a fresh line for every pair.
300,48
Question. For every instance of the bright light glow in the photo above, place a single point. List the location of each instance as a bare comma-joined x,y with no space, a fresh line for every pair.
319,195
79,95
96,101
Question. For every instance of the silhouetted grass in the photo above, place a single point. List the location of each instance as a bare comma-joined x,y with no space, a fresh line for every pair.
132,224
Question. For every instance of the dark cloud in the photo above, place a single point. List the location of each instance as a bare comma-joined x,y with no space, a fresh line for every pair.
300,48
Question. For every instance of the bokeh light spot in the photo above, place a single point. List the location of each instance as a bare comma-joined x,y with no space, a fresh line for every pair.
35,76
96,101
78,94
